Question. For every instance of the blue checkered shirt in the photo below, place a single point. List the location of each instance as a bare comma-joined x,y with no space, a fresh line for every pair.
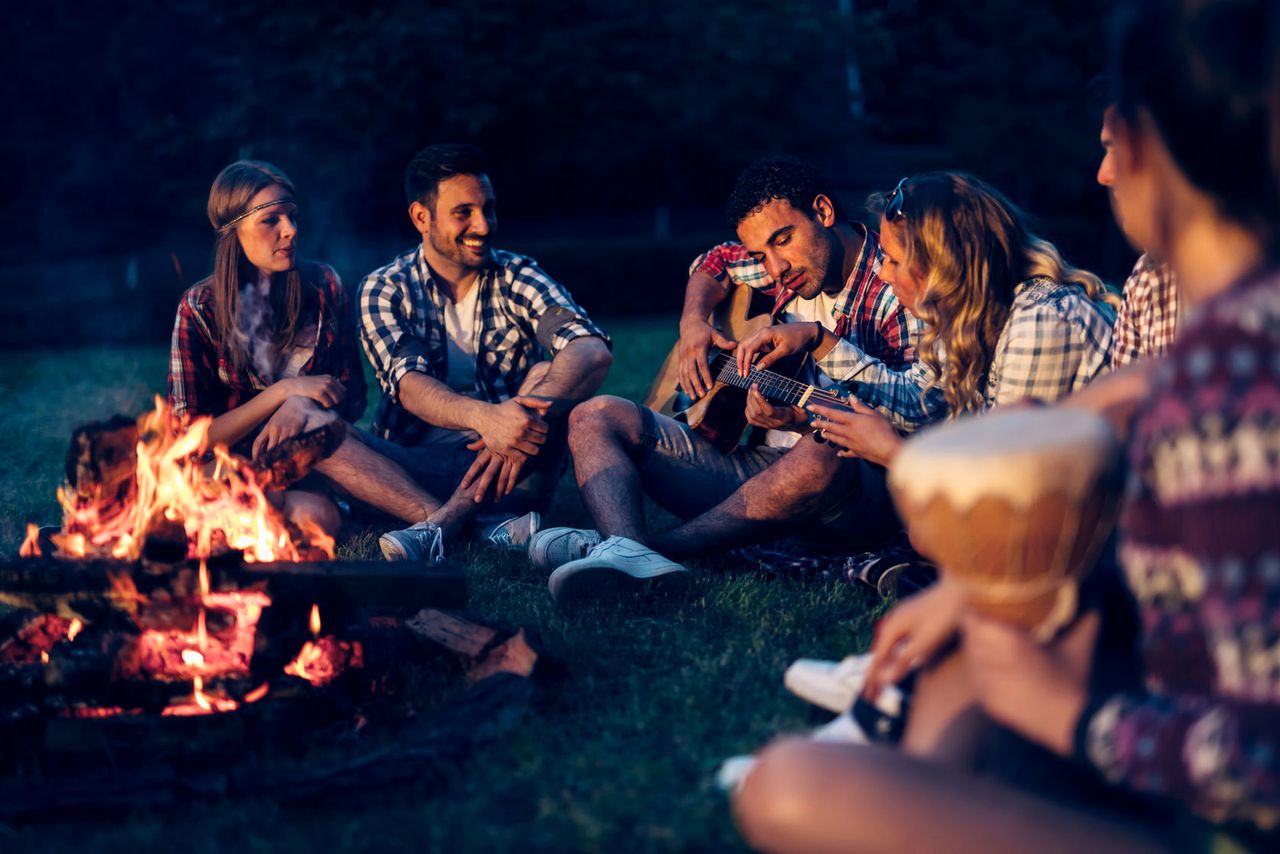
522,311
1055,341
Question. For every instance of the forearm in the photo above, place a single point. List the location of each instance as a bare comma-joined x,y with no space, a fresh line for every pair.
575,374
232,426
438,405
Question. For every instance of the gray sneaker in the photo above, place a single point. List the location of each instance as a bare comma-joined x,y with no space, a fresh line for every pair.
557,546
420,542
619,564
514,533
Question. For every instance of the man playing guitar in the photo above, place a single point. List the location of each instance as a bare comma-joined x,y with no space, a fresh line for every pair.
818,268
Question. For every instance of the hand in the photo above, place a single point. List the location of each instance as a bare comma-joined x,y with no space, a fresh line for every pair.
515,426
761,413
295,416
696,338
912,633
322,388
775,342
490,471
1037,691
862,432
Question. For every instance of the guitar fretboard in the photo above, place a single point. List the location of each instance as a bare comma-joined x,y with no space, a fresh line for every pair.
775,387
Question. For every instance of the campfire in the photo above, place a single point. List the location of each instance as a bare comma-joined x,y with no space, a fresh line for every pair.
177,617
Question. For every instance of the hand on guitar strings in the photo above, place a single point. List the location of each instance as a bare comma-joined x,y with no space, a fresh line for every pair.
859,431
760,413
776,342
696,339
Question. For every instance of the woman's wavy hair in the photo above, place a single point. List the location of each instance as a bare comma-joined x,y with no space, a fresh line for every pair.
1207,72
971,248
229,197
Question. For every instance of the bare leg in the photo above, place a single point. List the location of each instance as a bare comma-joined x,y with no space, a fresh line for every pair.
945,722
303,506
604,434
814,797
792,488
377,481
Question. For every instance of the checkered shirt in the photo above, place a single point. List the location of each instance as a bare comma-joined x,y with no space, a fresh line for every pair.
201,378
522,312
1055,341
1148,318
867,312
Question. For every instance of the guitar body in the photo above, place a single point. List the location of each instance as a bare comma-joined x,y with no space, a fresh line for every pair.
718,415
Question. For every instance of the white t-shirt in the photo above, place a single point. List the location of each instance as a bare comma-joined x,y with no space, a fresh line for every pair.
460,329
805,311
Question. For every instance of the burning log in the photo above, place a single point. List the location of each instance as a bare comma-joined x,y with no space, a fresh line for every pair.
291,460
101,462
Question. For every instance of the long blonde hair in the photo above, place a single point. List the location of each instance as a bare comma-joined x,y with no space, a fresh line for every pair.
973,248
229,197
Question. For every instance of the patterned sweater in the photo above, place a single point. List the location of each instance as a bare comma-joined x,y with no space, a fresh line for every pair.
1200,548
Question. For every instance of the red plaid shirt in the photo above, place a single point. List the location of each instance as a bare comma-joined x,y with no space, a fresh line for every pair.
867,312
201,378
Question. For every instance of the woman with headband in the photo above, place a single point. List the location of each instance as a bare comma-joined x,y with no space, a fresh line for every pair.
267,346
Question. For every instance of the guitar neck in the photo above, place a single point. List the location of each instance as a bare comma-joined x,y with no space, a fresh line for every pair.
775,387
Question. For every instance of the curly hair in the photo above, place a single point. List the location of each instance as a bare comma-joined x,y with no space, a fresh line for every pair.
437,163
972,248
790,178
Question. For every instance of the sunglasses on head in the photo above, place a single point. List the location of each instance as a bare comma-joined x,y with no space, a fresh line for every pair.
893,205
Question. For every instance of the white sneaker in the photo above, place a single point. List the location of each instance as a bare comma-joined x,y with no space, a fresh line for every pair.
618,564
842,729
734,772
831,685
514,533
423,542
555,547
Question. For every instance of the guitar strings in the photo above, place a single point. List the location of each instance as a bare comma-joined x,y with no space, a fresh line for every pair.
771,384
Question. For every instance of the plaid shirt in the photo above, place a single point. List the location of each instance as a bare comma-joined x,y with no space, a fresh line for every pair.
1055,341
1148,319
522,312
867,312
201,379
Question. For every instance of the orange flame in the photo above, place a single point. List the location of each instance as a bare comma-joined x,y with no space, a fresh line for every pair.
204,578
74,629
315,621
197,691
31,545
172,483
256,694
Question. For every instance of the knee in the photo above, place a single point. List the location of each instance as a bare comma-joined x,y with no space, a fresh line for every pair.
806,474
771,805
600,416
304,508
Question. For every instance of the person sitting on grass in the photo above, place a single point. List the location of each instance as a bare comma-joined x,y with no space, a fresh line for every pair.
1006,319
1185,756
457,333
266,345
822,269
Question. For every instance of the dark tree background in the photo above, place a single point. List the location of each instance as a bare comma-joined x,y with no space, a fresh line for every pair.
615,129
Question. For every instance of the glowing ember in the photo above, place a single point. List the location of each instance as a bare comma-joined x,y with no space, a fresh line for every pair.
256,694
191,658
321,661
222,503
201,703
31,545
74,629
315,621
44,657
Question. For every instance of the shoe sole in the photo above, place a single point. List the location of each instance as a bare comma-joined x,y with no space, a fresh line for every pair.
391,550
597,582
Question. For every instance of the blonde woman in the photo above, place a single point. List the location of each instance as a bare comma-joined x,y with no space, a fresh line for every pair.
1006,318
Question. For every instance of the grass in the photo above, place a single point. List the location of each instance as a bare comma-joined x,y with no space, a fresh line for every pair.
622,756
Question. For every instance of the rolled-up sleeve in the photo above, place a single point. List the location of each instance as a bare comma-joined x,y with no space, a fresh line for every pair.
908,397
730,263
387,334
545,307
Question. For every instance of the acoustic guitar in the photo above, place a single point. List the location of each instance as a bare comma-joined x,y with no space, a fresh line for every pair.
719,415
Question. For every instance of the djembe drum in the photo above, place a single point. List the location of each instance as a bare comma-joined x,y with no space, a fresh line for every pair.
1013,506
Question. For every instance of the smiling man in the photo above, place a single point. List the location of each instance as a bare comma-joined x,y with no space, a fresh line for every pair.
819,268
459,333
